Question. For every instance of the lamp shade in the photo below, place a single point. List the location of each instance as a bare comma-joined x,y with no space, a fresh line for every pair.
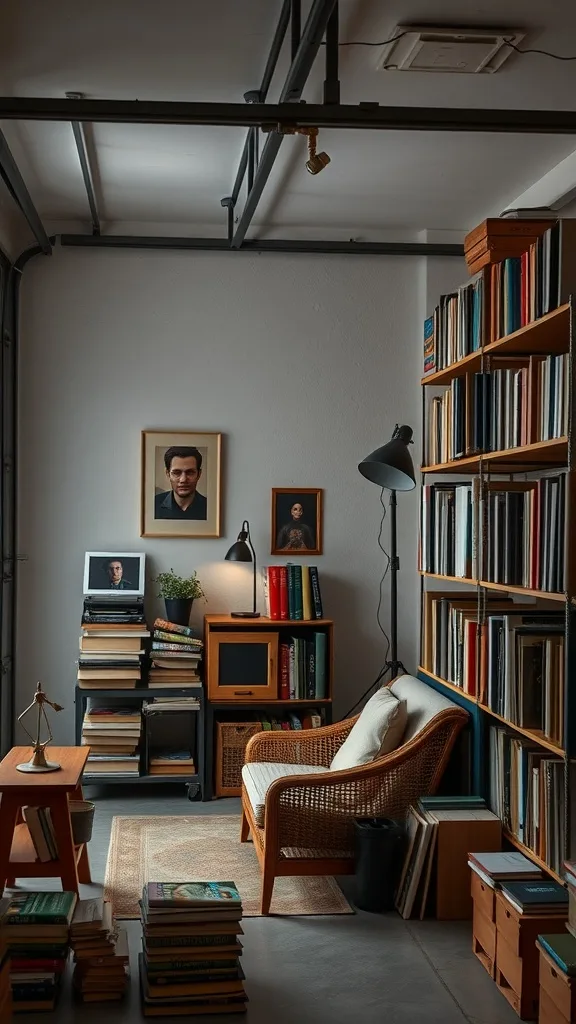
239,552
391,465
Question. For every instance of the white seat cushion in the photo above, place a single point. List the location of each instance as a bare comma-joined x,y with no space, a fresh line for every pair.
378,731
258,776
423,703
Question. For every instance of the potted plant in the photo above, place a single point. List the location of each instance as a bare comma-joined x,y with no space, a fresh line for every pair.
179,593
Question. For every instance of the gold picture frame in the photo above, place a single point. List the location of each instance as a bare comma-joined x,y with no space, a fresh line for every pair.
185,500
296,521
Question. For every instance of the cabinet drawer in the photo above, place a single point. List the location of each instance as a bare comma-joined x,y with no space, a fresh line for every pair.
520,931
548,1011
483,896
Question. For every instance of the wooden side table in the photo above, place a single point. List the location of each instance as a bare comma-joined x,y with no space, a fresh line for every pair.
17,854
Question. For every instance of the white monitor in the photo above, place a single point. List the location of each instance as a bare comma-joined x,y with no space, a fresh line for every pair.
114,573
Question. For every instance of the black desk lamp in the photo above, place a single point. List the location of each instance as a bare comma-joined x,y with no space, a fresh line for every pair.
244,552
391,467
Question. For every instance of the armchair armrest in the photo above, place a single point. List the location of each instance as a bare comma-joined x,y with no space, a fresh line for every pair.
306,746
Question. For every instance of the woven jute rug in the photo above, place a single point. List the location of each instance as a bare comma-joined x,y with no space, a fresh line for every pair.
201,848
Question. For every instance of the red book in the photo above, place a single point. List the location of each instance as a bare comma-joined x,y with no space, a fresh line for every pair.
274,590
524,267
284,672
283,591
470,672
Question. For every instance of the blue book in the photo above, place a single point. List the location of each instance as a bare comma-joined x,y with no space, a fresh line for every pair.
298,604
562,949
320,652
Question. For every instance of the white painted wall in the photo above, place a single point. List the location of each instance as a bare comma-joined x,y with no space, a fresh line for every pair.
304,363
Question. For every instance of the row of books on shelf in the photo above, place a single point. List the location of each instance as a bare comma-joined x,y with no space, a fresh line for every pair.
525,534
522,402
191,949
527,793
455,328
292,591
521,288
513,663
293,721
303,667
38,930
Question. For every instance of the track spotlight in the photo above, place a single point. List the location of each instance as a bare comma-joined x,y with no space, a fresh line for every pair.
317,163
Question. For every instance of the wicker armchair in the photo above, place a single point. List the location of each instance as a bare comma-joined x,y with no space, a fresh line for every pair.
305,826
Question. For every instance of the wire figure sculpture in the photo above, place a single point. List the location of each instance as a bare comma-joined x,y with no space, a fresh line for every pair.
38,762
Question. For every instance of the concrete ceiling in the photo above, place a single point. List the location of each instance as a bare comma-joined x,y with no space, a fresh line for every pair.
190,49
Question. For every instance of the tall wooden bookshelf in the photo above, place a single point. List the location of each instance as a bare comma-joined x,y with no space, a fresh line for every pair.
498,570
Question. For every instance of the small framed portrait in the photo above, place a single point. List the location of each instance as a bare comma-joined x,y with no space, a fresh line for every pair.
296,521
114,572
180,483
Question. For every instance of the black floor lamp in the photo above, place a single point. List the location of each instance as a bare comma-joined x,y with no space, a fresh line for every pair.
391,467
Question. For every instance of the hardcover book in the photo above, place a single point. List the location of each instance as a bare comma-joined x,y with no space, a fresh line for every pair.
191,894
40,908
533,896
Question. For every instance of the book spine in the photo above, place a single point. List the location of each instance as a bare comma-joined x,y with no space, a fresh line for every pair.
311,668
161,645
48,830
184,641
173,627
320,665
316,595
290,580
284,672
307,605
283,583
298,608
292,669
274,591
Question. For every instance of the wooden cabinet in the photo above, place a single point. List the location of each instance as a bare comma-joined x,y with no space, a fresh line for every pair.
242,665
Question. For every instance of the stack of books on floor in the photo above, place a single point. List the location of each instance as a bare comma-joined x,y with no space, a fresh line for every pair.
35,928
113,734
100,953
292,592
175,656
111,648
191,947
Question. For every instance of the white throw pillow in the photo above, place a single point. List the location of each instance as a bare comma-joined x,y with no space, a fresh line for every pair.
378,731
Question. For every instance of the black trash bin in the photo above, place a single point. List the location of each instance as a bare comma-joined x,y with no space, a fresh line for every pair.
379,848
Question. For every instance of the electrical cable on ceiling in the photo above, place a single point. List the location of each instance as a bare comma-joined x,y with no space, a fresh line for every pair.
508,42
384,668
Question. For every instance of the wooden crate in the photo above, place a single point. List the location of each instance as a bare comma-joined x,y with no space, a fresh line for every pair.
557,992
517,959
231,741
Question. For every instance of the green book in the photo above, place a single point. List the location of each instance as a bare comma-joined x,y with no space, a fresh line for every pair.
40,908
191,894
298,597
320,665
562,949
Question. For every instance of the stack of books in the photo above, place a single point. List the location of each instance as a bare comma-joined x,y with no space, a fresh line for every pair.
100,953
502,866
113,735
111,653
292,592
191,947
175,656
35,928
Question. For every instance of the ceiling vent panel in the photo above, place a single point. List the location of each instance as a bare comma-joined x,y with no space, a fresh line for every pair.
460,51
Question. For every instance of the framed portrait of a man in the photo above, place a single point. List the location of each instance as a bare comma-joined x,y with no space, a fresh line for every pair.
180,483
296,521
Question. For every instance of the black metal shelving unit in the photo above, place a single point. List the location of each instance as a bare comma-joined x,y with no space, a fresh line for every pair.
195,782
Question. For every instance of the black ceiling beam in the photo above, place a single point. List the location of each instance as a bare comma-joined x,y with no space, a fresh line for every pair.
308,47
305,115
279,35
79,133
16,186
281,245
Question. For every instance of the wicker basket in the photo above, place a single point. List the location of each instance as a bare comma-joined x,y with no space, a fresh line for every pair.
81,819
231,740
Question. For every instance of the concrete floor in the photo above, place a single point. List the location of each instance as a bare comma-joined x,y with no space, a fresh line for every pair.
310,970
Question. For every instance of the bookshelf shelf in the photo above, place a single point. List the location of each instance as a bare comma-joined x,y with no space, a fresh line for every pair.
524,458
507,514
511,838
546,335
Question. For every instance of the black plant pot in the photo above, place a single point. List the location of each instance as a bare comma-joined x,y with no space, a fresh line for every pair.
178,609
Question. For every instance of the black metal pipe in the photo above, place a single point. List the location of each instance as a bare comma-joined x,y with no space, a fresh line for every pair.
279,245
305,115
310,42
331,81
16,186
276,47
80,140
251,157
295,27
